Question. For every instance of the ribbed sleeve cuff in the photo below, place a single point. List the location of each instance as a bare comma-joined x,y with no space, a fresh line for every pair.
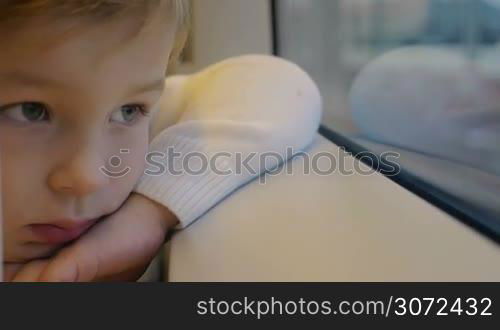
177,176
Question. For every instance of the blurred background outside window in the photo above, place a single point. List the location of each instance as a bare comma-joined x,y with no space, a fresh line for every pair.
419,77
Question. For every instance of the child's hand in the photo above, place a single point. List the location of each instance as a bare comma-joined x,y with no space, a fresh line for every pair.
117,249
29,272
10,271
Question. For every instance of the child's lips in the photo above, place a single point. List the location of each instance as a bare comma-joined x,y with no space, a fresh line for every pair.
60,232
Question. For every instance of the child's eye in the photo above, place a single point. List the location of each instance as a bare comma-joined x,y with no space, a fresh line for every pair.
128,113
26,112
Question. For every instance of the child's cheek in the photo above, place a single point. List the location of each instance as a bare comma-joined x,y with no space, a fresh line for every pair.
126,165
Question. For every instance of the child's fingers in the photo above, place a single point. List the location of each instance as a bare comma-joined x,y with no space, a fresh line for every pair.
10,271
71,265
91,260
31,271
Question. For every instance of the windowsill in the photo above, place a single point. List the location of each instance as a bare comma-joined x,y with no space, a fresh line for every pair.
330,228
467,183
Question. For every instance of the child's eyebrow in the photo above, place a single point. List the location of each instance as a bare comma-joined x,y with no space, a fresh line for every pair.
24,78
157,85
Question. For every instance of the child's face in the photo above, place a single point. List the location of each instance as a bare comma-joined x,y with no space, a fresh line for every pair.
67,106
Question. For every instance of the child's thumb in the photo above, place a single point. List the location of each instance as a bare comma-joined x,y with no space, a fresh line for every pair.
71,265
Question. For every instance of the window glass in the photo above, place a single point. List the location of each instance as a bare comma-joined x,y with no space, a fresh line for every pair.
419,77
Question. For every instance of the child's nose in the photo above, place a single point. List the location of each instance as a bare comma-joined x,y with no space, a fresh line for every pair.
79,176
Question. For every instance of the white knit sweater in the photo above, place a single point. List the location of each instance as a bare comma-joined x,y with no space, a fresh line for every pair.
244,106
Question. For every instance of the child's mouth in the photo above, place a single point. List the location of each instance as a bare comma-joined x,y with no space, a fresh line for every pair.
61,231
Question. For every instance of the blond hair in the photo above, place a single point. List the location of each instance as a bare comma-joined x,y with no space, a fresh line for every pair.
17,10
10,9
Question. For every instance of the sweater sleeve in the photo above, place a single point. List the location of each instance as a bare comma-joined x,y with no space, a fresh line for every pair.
218,129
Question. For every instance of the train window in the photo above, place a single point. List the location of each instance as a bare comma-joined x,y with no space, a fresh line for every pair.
420,78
